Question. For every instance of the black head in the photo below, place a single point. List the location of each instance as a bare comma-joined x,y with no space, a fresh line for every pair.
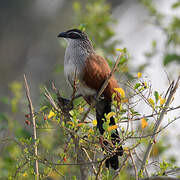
72,34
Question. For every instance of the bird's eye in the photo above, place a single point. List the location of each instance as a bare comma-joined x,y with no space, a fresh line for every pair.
74,36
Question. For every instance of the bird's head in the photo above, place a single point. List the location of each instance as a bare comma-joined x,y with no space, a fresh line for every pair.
77,38
75,34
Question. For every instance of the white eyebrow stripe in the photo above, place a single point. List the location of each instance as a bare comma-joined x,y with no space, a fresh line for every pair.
74,32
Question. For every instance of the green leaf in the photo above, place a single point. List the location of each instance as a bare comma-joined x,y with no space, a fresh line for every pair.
43,108
105,126
123,60
154,43
134,113
58,69
76,6
176,4
3,117
156,95
137,85
124,50
83,26
110,62
74,178
170,58
5,100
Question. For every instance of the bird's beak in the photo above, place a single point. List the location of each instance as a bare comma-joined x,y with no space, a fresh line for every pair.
63,35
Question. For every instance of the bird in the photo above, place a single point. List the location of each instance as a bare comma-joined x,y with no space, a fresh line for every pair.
91,70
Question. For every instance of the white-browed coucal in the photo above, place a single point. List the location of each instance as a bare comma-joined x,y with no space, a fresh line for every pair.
91,71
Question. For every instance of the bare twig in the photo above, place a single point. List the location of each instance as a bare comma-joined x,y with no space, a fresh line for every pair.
151,115
80,159
61,106
159,120
51,100
64,104
134,165
43,161
31,109
172,171
19,169
148,135
100,168
160,178
110,75
93,167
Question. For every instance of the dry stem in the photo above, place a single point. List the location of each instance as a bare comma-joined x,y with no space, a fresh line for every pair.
93,167
172,91
31,109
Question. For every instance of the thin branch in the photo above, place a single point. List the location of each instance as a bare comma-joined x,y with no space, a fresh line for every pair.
159,120
134,165
64,104
93,167
110,75
44,161
150,115
100,168
19,169
53,168
149,135
51,100
160,178
172,171
122,165
31,109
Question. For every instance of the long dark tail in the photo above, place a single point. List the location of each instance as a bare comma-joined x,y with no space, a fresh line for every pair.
104,106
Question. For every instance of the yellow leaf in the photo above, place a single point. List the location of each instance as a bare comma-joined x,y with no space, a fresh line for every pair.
139,75
143,123
125,100
145,84
162,100
120,91
91,131
51,114
81,109
110,114
94,122
126,150
70,123
155,151
110,128
151,101
25,174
